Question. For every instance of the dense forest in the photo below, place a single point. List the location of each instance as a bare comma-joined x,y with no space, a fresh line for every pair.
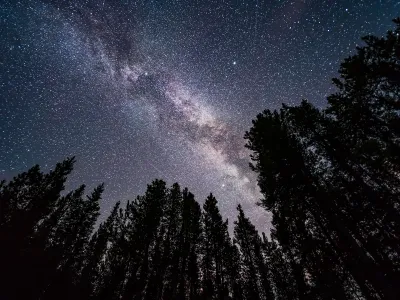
329,177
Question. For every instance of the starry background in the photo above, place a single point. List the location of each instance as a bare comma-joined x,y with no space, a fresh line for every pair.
138,90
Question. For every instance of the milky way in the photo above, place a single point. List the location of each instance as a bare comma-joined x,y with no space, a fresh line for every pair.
138,90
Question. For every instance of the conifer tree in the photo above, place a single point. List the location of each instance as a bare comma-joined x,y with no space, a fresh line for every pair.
113,267
256,278
94,254
233,266
72,238
189,240
146,215
215,241
282,276
25,202
330,178
173,219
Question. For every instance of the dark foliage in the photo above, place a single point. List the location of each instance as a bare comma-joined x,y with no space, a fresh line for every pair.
331,179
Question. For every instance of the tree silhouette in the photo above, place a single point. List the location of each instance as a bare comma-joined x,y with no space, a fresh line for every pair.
330,178
256,277
215,249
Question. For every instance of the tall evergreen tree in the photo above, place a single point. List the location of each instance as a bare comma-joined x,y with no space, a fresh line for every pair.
25,202
146,216
233,267
114,263
189,240
282,275
256,277
166,246
72,236
171,251
216,240
94,254
330,177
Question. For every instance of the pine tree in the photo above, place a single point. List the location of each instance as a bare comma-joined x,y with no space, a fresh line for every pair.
25,202
282,275
113,266
234,270
94,254
330,178
72,238
189,239
146,213
256,278
365,116
215,241
171,253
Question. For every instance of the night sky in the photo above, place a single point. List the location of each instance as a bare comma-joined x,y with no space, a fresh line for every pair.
139,90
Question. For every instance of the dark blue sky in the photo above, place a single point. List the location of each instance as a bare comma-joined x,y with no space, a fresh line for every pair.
144,89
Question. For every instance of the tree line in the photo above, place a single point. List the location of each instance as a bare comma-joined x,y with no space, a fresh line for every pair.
329,177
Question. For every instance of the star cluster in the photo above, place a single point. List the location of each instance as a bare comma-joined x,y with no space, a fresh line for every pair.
138,90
